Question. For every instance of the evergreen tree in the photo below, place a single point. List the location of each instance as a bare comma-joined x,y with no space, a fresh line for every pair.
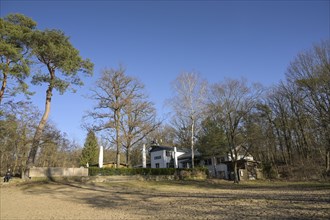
90,151
211,139
52,49
15,31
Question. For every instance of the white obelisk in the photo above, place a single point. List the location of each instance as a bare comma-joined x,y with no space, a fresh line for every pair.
144,157
101,157
175,158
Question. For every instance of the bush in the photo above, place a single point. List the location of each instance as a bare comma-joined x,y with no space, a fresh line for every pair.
95,171
196,173
269,171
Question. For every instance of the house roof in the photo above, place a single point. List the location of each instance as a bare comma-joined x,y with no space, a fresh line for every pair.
188,155
161,148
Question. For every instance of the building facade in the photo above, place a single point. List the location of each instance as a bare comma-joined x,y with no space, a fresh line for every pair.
164,157
219,167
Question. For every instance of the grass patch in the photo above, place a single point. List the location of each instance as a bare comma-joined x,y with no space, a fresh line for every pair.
206,185
189,185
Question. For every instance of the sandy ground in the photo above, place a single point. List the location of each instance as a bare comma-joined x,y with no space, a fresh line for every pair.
162,200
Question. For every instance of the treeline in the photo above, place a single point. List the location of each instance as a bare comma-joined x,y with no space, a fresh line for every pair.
18,122
56,62
286,127
294,117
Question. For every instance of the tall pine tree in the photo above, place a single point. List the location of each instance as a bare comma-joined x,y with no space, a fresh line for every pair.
90,151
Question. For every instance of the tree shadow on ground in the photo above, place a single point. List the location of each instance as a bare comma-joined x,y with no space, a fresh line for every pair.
210,202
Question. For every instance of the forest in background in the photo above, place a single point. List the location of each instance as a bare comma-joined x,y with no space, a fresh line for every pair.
285,127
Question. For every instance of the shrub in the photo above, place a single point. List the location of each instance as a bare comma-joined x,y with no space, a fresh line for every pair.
269,171
95,171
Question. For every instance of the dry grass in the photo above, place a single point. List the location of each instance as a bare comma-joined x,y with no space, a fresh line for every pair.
211,199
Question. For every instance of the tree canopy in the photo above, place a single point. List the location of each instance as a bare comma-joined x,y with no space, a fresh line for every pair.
15,36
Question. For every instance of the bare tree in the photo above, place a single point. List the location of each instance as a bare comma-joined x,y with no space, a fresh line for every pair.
122,109
163,134
138,121
310,71
190,93
17,125
182,131
230,102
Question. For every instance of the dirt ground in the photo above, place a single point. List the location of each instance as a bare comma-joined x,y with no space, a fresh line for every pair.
164,200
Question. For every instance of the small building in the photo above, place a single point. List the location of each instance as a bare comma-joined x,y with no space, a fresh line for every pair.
247,169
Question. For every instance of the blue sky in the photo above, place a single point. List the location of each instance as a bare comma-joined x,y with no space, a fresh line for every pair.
156,40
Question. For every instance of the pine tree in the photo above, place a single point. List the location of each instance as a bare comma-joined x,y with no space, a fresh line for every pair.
15,30
53,51
90,151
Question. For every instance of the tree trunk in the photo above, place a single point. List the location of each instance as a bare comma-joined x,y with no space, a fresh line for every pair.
234,156
327,157
236,179
4,82
3,86
192,144
127,156
117,114
327,161
37,136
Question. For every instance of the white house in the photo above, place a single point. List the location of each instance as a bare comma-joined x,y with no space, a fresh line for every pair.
164,157
218,166
242,153
221,166
184,160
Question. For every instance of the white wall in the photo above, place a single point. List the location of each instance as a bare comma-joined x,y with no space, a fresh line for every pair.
218,170
162,159
240,156
57,171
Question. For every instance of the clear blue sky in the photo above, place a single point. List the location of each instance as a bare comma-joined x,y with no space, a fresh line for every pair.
156,40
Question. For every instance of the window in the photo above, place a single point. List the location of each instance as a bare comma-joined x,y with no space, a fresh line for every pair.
222,159
168,154
157,165
208,162
157,157
167,165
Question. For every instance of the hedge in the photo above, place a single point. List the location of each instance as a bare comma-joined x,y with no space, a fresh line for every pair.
95,171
